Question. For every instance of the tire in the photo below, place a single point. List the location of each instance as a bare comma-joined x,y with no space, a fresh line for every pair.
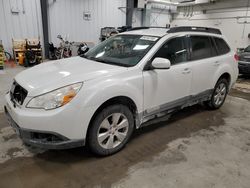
218,99
106,137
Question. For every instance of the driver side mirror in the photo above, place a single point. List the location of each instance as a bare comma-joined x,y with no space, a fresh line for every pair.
161,63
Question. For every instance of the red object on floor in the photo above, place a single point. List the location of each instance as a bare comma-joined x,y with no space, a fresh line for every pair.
10,63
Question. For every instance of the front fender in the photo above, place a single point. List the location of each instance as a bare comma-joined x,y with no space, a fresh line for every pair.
95,92
105,90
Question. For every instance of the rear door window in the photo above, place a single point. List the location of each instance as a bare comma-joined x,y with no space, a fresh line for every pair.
202,47
222,46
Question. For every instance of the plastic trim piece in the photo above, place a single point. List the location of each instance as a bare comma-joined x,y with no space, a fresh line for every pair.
176,105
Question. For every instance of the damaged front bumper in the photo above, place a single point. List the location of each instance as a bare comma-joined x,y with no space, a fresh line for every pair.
43,139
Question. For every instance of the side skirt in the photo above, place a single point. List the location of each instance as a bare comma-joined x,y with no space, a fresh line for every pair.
163,112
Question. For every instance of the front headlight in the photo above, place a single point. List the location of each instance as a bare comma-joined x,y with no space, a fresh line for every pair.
56,98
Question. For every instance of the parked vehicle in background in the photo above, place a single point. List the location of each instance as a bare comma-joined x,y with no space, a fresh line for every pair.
122,84
244,61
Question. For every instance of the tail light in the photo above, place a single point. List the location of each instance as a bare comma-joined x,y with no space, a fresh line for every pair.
236,57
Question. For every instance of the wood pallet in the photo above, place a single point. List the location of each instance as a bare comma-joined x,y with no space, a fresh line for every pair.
19,48
1,57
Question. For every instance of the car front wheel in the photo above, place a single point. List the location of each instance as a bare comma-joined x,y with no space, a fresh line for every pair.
111,130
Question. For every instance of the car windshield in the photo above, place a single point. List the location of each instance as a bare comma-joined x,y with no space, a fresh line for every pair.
247,49
122,50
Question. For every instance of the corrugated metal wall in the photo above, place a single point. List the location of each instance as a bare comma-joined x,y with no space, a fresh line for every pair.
24,24
66,18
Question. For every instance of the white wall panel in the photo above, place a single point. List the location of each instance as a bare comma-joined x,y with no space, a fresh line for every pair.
24,24
66,18
224,15
159,17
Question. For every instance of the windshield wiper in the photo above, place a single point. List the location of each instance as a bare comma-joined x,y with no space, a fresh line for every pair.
108,62
84,56
97,59
91,58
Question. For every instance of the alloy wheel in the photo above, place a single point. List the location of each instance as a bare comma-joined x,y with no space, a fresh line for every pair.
220,94
113,130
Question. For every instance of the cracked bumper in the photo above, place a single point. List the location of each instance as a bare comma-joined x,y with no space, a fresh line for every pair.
43,139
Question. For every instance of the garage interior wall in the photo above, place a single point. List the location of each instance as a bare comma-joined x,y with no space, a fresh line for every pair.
66,18
19,19
232,17
159,16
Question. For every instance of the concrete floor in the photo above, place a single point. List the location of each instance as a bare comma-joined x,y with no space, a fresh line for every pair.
195,148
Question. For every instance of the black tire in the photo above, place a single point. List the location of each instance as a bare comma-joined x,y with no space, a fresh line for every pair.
95,129
211,104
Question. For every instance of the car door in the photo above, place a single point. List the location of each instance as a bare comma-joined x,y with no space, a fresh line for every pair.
204,61
167,88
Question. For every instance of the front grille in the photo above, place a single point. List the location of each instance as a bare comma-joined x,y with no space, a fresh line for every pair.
18,93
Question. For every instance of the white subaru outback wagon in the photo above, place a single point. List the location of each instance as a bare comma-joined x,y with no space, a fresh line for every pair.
120,85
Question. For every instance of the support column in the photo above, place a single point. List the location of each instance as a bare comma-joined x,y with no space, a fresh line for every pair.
129,12
146,14
44,10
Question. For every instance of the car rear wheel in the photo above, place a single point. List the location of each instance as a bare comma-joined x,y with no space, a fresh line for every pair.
111,130
219,94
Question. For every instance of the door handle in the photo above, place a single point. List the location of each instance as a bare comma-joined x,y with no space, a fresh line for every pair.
186,71
216,63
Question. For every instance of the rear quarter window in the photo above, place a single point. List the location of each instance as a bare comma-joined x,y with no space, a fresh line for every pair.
222,46
202,47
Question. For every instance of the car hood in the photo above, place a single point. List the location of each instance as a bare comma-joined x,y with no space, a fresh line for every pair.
55,74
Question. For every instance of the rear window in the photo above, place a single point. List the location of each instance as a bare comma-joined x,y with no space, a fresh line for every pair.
202,47
222,46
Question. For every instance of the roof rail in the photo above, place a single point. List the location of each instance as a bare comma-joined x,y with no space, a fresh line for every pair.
138,28
194,29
